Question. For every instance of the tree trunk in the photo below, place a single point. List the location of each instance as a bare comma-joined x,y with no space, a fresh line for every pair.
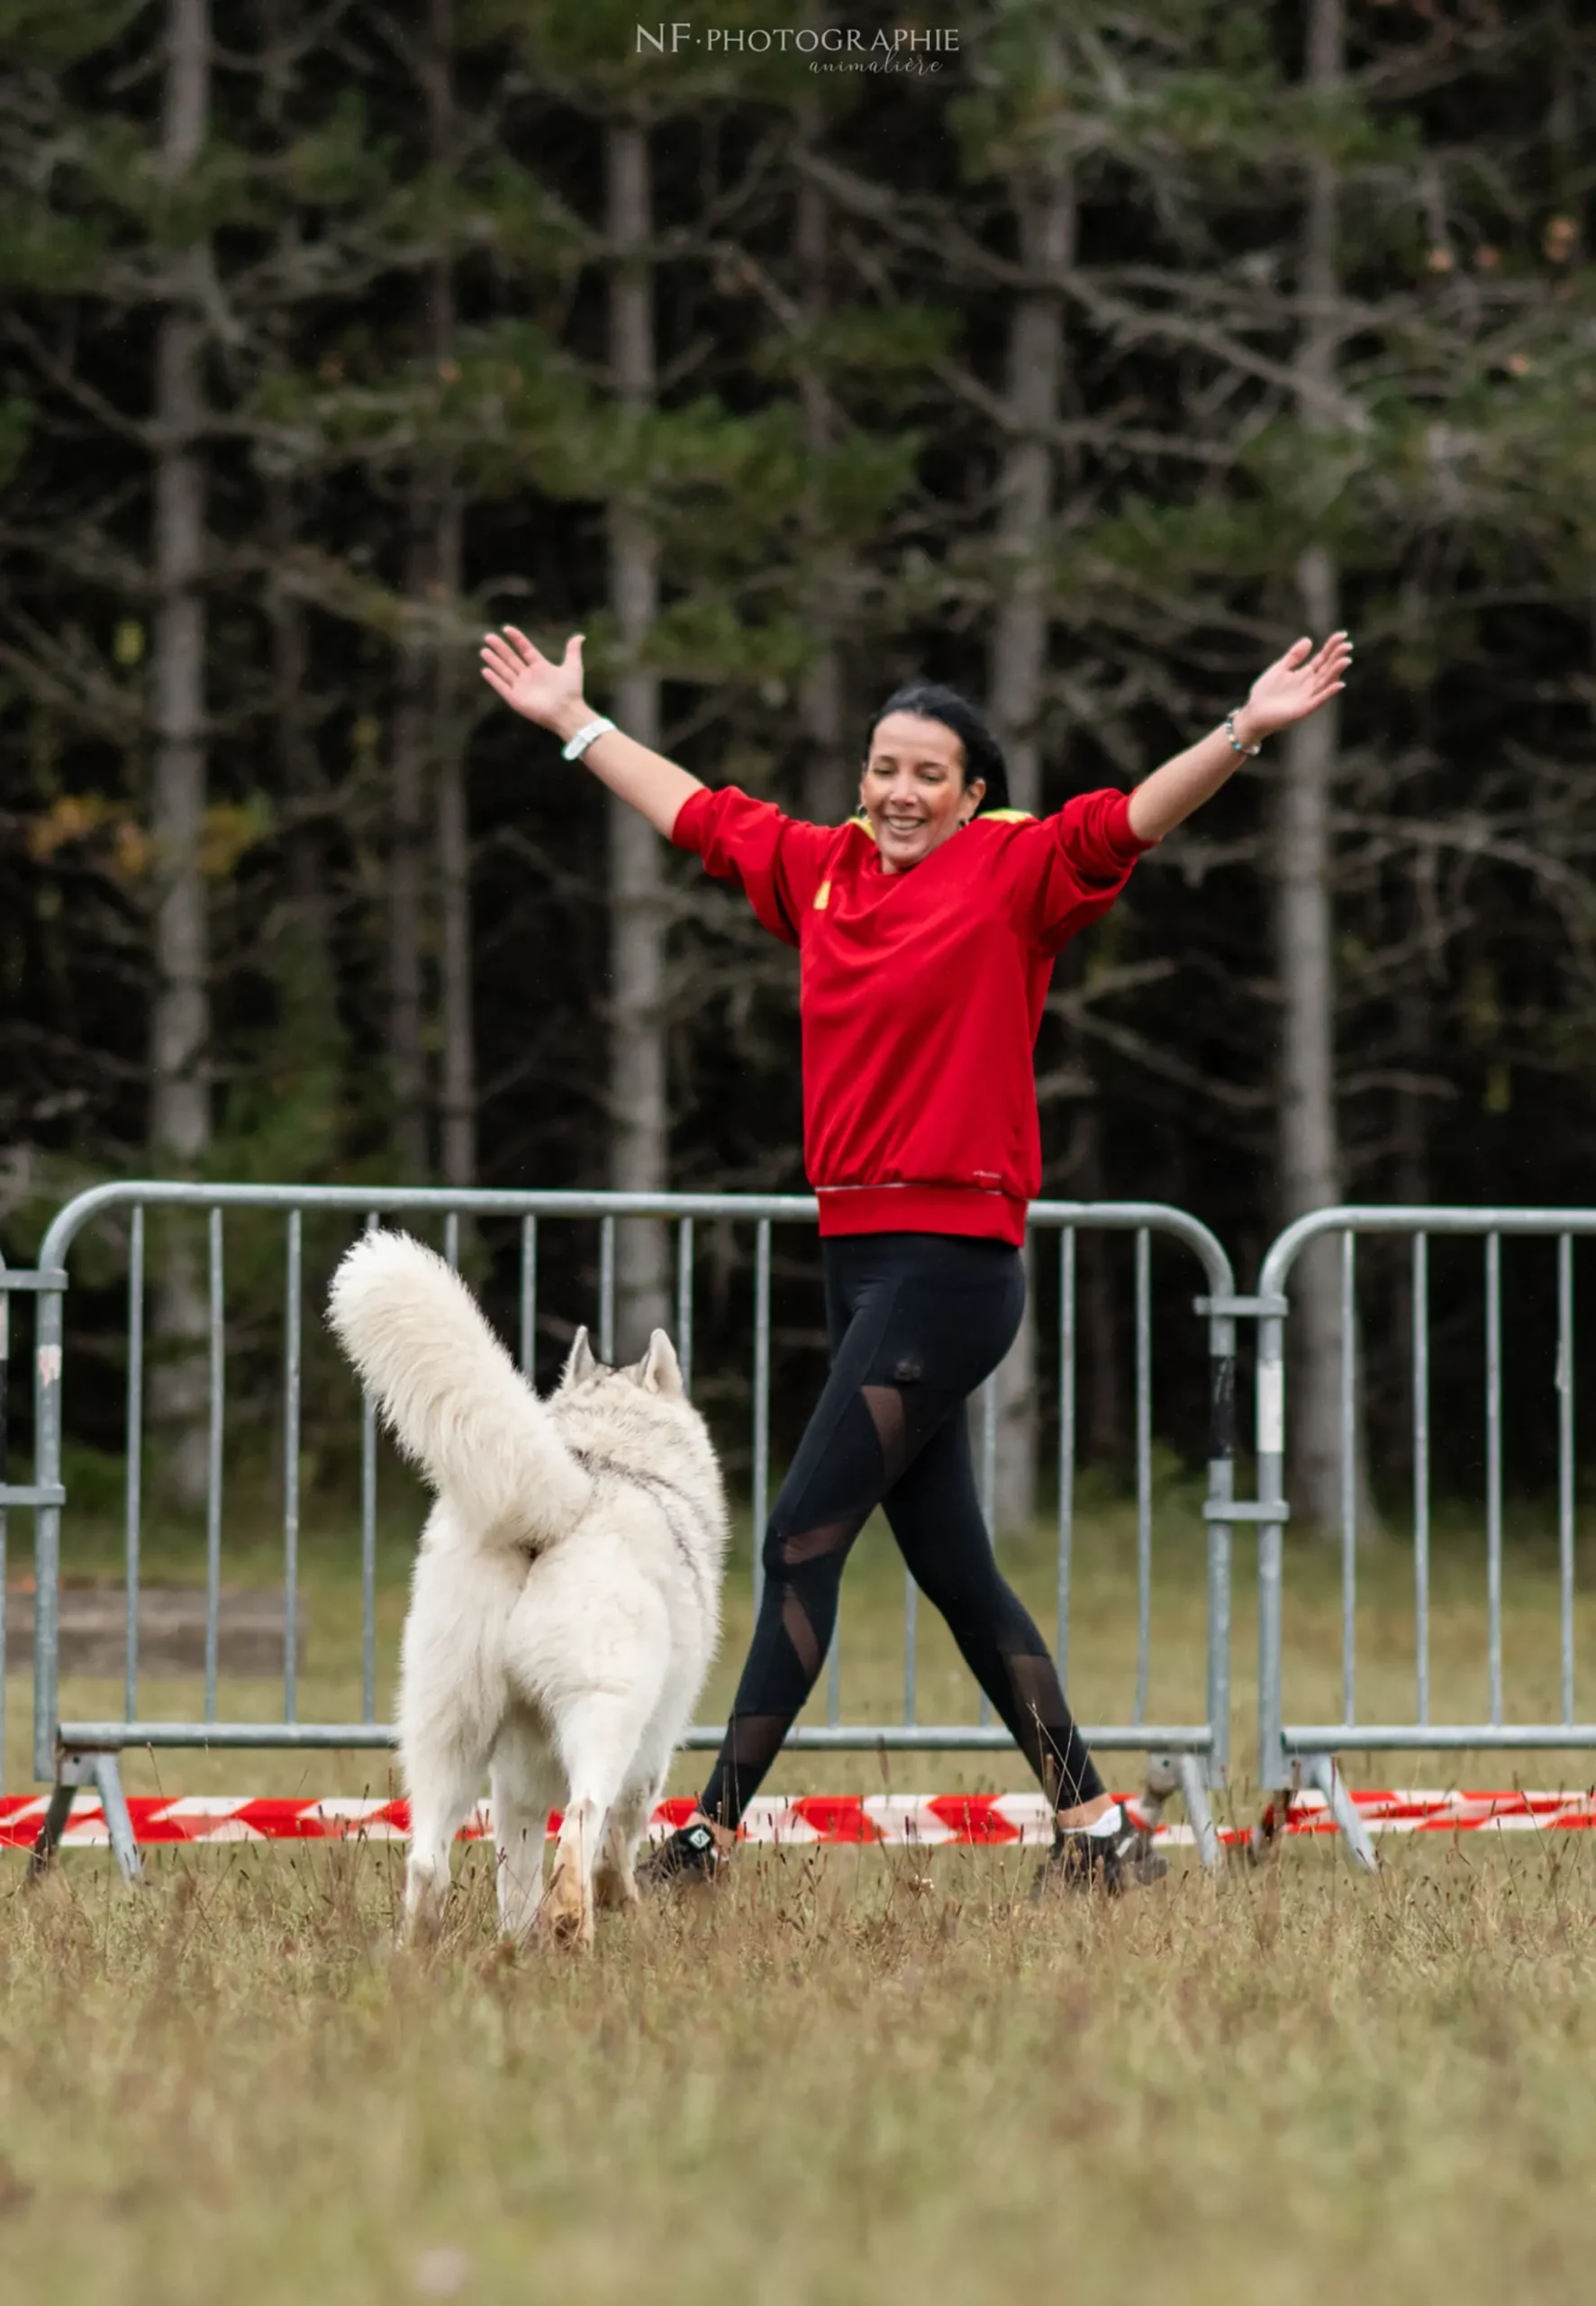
1309,1135
457,1070
180,1021
1046,208
1310,1146
831,781
639,1118
831,776
407,1067
306,969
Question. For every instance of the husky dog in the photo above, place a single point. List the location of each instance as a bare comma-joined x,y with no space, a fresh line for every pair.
565,1601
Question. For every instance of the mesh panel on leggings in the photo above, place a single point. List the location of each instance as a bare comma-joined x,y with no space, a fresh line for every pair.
752,1743
1046,1721
800,1633
800,1548
800,1551
810,1545
890,1417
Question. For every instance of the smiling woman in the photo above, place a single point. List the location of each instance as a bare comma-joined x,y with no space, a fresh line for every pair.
926,928
931,763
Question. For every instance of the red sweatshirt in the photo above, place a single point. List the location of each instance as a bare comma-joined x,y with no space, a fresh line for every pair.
920,995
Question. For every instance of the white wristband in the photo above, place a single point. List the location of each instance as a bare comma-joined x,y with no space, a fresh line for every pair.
583,737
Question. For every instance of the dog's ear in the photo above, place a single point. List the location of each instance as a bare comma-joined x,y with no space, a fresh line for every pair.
579,1361
659,1371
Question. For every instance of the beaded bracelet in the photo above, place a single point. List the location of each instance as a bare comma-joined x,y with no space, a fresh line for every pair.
1236,743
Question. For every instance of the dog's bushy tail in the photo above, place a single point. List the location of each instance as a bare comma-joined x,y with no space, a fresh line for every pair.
453,1398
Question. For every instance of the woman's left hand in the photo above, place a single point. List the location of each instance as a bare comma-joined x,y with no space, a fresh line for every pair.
1302,680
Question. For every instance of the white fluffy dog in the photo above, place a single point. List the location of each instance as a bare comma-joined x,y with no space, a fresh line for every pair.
566,1600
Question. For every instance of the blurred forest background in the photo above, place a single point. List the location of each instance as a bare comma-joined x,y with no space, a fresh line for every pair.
1085,371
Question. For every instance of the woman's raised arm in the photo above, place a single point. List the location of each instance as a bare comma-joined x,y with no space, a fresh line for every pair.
551,694
1292,688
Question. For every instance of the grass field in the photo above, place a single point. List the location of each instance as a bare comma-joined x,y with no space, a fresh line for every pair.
839,2075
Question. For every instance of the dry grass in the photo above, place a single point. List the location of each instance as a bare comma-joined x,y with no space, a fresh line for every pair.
832,2079
840,2076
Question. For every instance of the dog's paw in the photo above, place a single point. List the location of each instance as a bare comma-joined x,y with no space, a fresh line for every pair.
565,1918
425,1898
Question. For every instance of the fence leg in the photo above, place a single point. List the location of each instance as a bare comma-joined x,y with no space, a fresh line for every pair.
62,1798
1320,1771
1180,1774
107,1779
1194,1794
102,1772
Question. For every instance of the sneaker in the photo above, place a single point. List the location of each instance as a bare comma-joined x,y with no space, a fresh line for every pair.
1113,1863
689,1854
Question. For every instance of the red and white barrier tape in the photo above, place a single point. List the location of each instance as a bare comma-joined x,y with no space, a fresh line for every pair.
892,1819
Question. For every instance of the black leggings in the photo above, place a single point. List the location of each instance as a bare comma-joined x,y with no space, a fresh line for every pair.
917,1320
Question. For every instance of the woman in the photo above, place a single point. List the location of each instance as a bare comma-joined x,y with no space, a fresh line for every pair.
926,928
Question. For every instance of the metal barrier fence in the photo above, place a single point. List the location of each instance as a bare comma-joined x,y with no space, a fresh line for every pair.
1305,1749
73,1753
32,1494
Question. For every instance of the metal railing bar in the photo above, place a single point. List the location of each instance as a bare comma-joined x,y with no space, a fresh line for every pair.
1218,1509
1420,1320
1466,1224
988,1486
5,1414
1348,1477
134,1491
1144,1473
1067,1440
217,1381
292,1328
528,1298
1439,1737
1565,1470
911,1646
761,1505
606,1320
1493,1467
368,1545
358,1737
488,1202
47,1528
684,1304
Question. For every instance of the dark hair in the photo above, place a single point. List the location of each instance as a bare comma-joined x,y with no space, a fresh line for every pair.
984,755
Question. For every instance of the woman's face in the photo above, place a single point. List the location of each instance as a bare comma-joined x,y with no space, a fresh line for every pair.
913,788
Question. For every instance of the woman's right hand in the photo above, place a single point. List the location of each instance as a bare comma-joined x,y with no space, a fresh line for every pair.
551,695
533,685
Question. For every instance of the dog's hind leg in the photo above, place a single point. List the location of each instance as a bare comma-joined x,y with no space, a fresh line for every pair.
525,1787
613,1881
598,1739
615,1884
444,1777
